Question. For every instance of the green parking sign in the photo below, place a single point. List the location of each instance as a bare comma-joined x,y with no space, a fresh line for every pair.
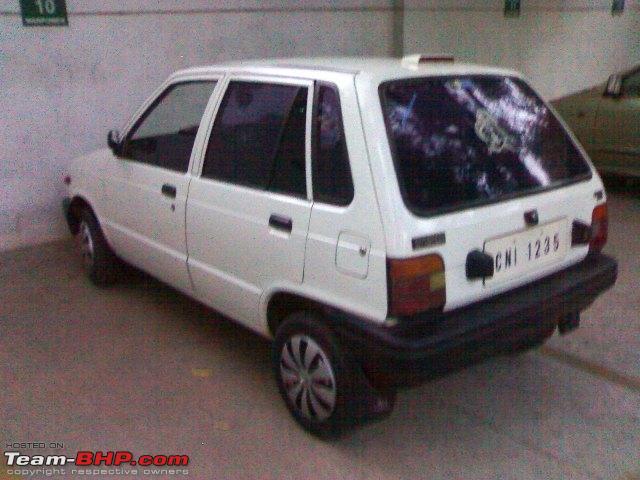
37,13
512,8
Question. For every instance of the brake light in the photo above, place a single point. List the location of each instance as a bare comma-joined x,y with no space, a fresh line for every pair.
599,228
418,59
415,284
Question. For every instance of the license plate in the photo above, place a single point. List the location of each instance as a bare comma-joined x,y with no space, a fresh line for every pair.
524,251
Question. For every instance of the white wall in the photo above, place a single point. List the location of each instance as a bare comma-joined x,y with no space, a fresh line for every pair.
62,88
562,46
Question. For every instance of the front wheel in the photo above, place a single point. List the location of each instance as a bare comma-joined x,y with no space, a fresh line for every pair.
322,386
98,260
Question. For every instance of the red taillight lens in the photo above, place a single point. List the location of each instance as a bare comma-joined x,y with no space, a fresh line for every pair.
599,228
415,284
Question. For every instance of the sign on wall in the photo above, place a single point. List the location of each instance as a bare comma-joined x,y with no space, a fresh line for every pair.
37,13
617,7
511,8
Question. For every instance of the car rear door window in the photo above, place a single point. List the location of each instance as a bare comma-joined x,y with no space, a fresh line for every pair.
258,138
332,182
164,134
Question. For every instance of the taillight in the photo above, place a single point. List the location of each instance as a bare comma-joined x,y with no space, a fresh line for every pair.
599,228
415,284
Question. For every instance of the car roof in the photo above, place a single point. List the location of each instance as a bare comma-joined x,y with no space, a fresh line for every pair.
376,68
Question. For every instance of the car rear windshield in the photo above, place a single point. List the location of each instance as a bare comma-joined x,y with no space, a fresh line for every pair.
468,140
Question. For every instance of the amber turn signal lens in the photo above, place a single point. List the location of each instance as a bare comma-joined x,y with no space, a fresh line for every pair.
599,228
415,284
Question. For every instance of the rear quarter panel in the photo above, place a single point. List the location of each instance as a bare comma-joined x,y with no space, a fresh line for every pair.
364,295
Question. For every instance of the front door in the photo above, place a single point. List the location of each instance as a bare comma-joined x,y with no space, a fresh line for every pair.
248,213
147,195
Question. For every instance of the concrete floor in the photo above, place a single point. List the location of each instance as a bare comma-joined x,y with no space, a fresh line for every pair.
140,367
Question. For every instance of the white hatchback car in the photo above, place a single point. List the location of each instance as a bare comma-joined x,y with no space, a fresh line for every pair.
382,220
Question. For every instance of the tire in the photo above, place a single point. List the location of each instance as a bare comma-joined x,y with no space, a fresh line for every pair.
98,260
322,386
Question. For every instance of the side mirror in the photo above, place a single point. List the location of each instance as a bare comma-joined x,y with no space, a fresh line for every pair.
614,87
114,142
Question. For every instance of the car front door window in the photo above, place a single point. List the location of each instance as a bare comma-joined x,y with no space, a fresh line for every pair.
165,133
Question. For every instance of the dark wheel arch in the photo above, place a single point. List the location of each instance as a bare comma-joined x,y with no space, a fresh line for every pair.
74,212
282,304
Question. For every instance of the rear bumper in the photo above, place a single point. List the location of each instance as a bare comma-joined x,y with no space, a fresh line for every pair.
433,343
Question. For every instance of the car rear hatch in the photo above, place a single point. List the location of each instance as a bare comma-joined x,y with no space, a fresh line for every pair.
490,181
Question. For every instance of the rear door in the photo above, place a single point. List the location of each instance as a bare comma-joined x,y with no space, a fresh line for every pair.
483,164
147,192
617,129
248,211
579,112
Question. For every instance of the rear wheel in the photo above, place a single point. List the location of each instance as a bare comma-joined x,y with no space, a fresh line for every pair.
322,386
308,378
98,260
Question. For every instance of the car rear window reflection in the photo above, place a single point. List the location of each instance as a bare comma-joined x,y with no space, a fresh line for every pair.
460,141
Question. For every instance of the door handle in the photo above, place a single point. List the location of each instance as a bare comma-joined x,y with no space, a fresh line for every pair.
169,190
280,223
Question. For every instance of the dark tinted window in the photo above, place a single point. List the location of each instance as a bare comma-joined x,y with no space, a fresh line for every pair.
474,139
332,182
165,134
289,173
258,138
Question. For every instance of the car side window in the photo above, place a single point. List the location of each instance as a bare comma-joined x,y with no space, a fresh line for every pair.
332,181
164,134
631,85
258,138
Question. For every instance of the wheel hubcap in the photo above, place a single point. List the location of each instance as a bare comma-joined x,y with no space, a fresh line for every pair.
308,378
86,244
